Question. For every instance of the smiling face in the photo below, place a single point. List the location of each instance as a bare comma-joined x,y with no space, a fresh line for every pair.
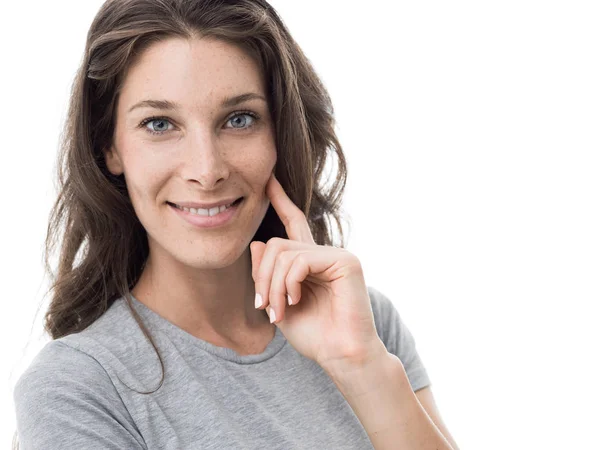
181,136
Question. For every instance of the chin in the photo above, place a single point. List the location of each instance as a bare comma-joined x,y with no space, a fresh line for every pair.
212,258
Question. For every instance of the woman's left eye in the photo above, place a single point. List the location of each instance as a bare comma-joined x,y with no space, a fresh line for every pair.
240,120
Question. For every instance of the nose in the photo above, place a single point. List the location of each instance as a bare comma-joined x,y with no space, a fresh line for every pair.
204,162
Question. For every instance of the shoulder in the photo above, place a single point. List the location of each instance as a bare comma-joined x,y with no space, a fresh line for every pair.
56,354
65,394
397,337
59,366
61,379
391,328
118,344
112,354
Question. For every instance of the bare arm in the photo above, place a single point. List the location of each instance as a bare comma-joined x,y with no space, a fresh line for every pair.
382,398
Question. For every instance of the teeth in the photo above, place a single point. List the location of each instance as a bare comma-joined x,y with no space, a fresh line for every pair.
205,212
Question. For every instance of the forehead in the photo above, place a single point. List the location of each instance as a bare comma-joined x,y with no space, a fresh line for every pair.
200,70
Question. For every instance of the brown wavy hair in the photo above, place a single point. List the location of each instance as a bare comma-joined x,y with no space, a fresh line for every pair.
93,214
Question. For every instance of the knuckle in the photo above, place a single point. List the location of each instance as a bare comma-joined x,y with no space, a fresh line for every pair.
261,276
275,243
276,291
352,261
301,258
284,257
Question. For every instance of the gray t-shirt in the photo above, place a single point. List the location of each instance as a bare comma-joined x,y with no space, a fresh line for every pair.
79,392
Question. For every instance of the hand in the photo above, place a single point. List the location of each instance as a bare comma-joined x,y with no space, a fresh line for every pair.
330,320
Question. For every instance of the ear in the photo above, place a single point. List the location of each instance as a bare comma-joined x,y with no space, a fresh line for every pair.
113,161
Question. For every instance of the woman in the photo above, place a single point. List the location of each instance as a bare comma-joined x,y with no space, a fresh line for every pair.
195,142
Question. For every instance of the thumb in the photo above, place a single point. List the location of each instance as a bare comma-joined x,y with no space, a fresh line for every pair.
257,249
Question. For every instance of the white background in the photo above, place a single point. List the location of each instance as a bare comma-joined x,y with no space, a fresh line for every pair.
472,136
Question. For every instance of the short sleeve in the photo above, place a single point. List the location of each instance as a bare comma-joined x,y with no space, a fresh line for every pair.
398,339
66,400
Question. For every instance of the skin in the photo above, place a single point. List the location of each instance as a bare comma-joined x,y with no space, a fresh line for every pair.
199,279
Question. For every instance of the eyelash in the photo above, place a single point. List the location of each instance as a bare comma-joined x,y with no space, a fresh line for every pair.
235,114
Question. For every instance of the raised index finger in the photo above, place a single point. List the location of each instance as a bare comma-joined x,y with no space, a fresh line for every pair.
292,217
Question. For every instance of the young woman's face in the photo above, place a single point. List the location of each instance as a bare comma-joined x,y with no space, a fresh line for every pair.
192,142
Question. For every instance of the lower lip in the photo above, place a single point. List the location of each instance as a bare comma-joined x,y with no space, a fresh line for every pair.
217,220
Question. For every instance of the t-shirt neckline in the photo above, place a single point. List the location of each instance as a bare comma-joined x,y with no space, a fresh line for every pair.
175,332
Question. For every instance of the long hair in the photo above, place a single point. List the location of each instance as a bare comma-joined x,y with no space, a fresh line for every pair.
103,246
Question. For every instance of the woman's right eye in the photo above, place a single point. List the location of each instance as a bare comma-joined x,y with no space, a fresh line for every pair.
158,125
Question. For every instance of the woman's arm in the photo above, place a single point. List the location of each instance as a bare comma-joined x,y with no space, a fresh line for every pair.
383,400
427,401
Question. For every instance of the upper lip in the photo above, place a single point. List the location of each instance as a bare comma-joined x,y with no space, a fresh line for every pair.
206,205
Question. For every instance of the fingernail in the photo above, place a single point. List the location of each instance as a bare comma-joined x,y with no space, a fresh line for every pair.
289,299
258,301
272,315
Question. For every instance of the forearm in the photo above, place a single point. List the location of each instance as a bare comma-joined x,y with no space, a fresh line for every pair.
383,400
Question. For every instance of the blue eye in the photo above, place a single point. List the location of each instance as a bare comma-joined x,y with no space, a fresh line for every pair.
240,120
158,125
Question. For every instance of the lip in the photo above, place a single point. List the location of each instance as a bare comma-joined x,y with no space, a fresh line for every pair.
206,205
217,220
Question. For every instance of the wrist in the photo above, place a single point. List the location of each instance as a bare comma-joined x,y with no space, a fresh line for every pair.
363,373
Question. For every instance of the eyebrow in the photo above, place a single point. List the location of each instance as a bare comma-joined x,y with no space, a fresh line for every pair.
169,105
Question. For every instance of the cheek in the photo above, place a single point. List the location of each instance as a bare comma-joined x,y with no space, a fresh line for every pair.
143,174
256,163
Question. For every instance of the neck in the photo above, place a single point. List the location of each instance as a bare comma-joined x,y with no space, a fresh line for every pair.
218,302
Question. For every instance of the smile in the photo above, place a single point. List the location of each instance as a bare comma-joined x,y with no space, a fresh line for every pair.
208,218
207,212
